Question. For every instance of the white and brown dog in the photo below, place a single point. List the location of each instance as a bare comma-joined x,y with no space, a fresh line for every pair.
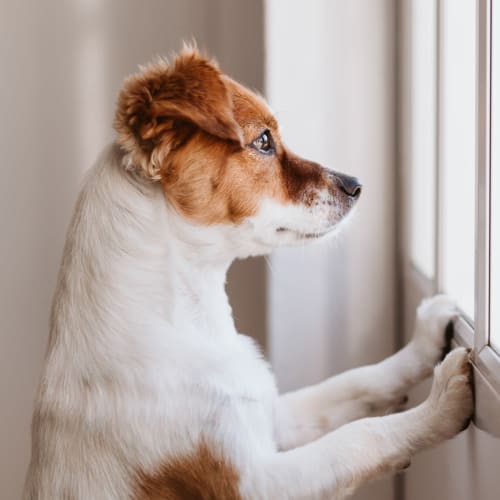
148,392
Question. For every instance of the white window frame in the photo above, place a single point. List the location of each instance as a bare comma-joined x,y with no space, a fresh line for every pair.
416,285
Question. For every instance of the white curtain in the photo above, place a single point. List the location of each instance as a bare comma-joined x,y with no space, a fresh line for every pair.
330,78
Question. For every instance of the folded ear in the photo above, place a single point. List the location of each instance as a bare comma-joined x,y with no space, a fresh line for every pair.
162,103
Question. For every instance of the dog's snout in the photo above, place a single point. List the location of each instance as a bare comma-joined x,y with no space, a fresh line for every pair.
349,185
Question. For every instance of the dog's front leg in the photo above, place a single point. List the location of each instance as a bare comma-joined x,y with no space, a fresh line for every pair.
336,464
378,389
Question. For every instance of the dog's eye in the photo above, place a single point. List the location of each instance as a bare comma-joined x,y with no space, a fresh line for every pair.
264,143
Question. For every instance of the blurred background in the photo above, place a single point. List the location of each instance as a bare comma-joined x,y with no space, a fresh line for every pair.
334,73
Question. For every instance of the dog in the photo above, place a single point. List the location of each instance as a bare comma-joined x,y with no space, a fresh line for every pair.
148,392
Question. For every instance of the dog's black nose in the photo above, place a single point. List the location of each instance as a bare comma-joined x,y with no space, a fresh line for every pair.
350,185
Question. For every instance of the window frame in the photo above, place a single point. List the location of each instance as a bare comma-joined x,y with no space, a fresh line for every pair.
416,285
486,360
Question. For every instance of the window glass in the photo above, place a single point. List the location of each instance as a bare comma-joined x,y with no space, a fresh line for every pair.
495,180
457,150
423,129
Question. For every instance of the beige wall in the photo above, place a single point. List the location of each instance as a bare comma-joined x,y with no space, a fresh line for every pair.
330,79
62,63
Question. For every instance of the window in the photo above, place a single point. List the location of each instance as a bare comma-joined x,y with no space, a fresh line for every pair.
453,177
495,180
457,150
423,130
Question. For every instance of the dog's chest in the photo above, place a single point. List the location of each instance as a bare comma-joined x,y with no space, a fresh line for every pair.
225,391
242,390
237,380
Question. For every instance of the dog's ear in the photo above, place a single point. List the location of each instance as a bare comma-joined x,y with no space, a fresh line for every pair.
162,104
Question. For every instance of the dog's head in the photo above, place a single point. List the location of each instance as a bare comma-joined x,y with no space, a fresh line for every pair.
216,149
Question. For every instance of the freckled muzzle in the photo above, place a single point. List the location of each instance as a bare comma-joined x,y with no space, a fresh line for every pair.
325,196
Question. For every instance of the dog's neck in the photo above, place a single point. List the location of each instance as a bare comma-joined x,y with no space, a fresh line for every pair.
192,264
196,287
196,262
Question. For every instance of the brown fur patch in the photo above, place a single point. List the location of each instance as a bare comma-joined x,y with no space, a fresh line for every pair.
192,128
202,475
158,107
209,183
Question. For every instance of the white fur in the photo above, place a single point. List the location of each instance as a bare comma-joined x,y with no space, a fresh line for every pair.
144,359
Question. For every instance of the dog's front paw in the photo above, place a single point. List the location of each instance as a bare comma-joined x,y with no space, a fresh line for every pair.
431,334
451,401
